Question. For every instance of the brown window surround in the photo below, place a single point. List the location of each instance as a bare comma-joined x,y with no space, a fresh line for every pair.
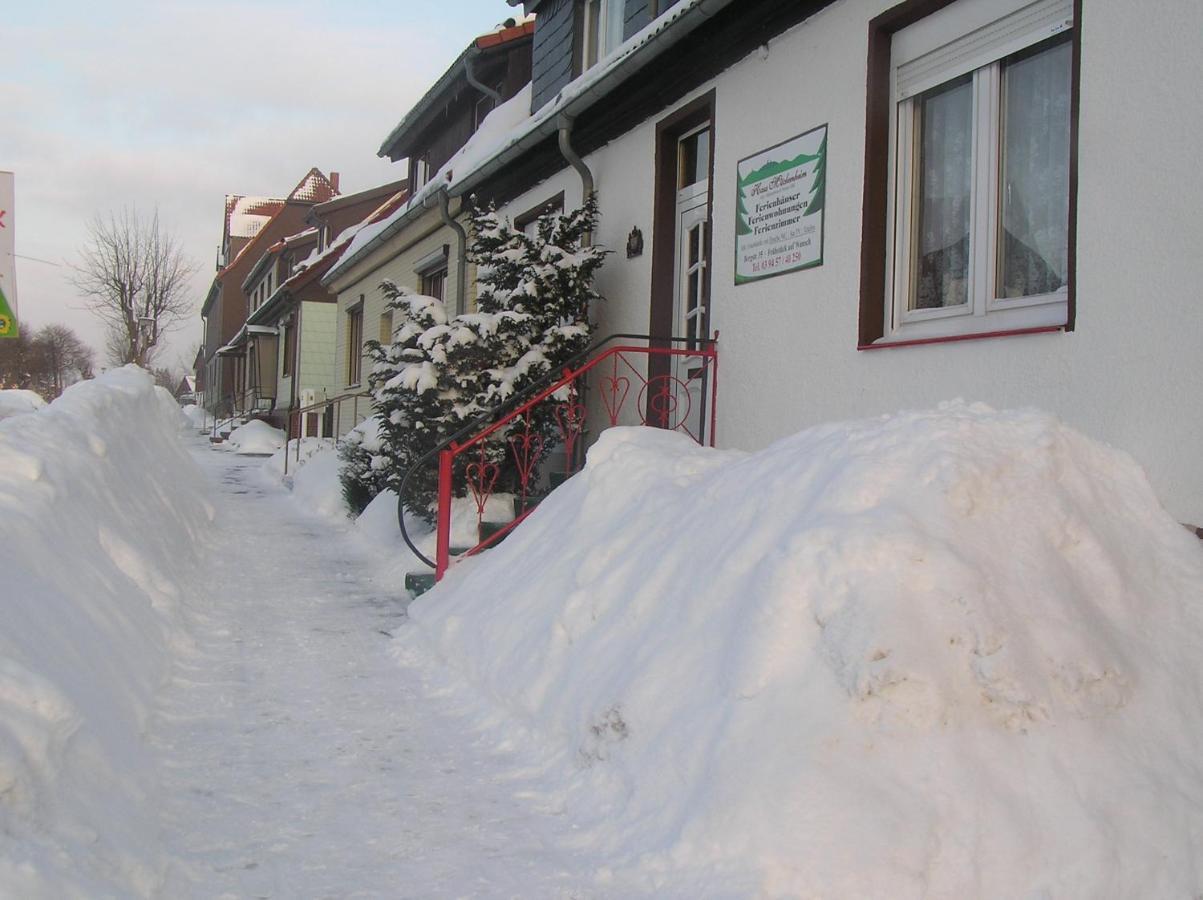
664,219
355,343
875,209
434,283
290,345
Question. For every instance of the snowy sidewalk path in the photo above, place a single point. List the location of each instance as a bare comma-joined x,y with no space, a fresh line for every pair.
301,760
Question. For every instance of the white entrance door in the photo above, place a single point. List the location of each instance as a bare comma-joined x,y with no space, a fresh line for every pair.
690,314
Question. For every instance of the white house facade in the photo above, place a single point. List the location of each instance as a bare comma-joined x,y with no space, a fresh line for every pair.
1004,194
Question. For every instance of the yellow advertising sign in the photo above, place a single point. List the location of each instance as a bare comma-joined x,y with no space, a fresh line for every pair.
8,271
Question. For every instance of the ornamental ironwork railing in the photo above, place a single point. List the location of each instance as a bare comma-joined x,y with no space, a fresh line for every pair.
635,379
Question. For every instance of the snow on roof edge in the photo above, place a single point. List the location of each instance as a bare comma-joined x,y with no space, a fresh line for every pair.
532,125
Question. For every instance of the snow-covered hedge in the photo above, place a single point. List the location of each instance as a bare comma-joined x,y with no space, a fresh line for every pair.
100,512
951,653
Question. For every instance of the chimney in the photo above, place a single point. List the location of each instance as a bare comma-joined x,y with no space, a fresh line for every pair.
334,181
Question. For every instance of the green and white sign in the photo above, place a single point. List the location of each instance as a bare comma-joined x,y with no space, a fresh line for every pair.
779,207
8,271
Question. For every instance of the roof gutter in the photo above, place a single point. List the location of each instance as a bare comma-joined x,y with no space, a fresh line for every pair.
548,125
587,190
461,241
471,55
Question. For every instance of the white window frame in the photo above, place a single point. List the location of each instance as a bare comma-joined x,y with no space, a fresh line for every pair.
422,171
970,36
610,24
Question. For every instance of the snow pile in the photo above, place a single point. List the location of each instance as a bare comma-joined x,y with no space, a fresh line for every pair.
377,525
255,438
299,451
100,509
16,402
947,653
197,417
317,488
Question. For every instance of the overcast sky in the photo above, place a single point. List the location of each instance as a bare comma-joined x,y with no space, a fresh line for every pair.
175,104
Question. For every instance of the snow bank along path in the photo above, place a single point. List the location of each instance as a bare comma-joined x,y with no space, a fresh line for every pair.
949,654
100,513
197,697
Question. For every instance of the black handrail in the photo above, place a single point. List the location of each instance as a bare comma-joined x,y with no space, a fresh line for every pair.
516,400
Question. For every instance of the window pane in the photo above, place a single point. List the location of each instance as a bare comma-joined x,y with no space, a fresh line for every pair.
940,270
694,163
1034,209
592,26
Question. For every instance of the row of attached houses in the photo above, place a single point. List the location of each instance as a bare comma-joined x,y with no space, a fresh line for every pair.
875,204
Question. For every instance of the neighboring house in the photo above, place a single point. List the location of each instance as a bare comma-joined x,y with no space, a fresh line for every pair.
198,369
421,245
994,206
185,391
292,325
251,224
273,326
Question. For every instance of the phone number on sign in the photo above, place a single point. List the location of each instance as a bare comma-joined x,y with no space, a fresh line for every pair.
776,262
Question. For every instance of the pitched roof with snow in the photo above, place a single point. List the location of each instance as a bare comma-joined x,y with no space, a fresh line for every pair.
315,187
511,130
316,265
395,146
245,216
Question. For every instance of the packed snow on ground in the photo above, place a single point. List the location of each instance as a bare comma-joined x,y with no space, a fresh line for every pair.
949,653
255,438
16,402
100,515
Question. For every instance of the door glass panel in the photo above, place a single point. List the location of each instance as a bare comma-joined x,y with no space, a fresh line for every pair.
694,163
1033,247
940,269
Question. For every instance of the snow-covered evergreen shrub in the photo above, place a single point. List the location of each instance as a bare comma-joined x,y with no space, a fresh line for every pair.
364,472
439,373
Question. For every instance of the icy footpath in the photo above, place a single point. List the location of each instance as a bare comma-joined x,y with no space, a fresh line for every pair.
102,515
300,760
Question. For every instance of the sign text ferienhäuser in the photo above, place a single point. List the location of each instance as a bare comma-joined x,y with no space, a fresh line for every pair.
779,207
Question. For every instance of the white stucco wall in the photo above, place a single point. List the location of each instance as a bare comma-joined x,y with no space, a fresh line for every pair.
1129,374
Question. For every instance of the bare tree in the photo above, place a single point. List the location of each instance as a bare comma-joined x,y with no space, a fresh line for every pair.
18,361
64,358
134,276
46,362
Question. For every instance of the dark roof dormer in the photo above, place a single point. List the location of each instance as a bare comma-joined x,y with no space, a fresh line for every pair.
572,36
492,69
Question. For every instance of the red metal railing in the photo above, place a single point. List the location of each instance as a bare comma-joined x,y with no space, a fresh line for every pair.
675,388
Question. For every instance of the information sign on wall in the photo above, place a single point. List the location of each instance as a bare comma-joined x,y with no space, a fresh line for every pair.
779,207
8,270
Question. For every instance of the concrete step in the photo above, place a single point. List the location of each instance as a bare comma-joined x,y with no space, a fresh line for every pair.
418,583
